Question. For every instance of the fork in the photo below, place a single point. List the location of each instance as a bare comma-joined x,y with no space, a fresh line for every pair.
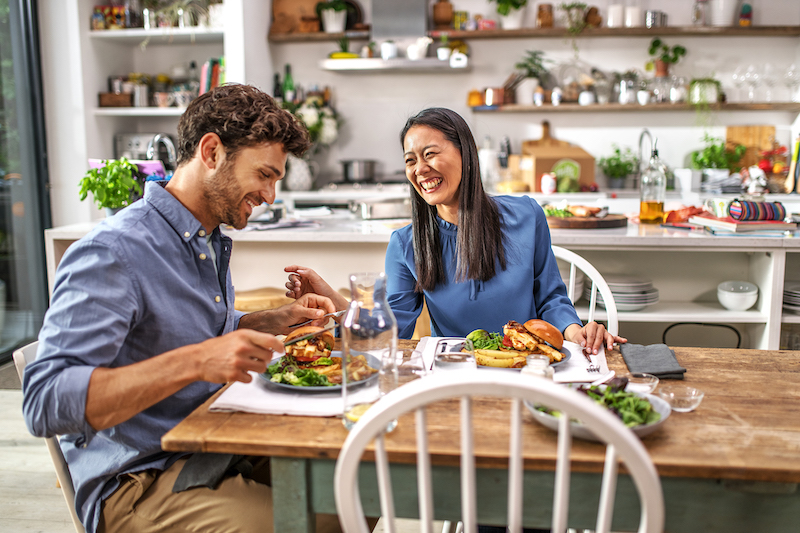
337,314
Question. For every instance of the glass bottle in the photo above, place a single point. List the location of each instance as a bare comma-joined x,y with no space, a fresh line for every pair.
700,13
277,88
652,191
288,85
369,329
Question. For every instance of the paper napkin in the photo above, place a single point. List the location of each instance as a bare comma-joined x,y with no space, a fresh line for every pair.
576,369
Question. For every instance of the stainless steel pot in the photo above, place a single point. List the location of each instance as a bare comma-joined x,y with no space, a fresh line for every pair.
356,170
378,208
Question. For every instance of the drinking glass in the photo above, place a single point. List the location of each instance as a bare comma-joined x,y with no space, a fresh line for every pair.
769,76
752,77
792,81
410,366
454,354
738,80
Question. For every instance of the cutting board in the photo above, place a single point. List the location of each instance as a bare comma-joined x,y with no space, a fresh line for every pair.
755,138
546,139
608,221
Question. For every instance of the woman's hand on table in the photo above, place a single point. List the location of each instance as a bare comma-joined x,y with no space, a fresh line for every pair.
591,337
303,280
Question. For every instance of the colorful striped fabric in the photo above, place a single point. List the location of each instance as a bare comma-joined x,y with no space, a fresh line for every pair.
745,210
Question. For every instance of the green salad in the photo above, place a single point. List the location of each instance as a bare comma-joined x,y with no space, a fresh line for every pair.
632,409
289,374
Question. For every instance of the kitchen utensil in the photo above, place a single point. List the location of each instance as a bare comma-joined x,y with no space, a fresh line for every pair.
357,170
310,335
337,314
382,208
608,221
655,19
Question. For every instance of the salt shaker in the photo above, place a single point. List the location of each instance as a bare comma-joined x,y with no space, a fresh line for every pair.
538,365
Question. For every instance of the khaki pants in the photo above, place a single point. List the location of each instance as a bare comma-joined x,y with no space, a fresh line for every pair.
145,503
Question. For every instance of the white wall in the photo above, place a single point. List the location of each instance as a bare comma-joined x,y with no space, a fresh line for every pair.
375,106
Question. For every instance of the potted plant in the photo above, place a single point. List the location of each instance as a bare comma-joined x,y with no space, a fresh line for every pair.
533,72
333,14
663,56
511,12
618,166
717,160
575,15
113,186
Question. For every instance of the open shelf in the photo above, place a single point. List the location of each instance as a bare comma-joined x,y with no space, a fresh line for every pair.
316,37
139,111
666,31
195,34
605,108
427,64
678,311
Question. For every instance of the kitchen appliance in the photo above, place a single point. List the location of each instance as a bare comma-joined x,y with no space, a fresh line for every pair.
134,146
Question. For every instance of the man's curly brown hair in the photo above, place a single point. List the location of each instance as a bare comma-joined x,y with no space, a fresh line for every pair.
242,116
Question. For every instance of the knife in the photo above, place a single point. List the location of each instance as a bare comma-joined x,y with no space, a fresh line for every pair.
310,335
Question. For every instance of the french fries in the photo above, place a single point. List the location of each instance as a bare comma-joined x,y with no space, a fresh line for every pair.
499,359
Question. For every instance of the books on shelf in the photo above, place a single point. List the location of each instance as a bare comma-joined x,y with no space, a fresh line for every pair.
212,74
731,225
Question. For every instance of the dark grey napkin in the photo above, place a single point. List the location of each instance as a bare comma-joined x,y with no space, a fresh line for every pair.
656,359
208,469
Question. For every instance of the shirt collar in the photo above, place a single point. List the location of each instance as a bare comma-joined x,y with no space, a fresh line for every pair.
181,219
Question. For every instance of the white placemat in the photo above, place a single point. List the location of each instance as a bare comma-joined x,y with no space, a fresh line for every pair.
256,397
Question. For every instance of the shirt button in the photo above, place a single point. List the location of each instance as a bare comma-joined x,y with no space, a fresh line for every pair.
186,234
217,299
202,257
202,233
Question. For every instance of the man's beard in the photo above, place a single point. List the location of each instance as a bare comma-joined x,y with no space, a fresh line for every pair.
224,196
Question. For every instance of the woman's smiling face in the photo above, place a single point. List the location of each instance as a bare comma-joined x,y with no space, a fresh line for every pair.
433,166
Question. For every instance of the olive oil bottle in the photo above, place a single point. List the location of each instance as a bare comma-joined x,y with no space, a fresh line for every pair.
652,191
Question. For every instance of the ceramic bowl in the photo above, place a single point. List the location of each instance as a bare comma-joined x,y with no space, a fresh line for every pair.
737,295
641,383
682,398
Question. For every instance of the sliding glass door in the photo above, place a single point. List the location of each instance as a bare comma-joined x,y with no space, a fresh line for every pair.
24,202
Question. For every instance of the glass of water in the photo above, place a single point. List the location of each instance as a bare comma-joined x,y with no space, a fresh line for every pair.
454,354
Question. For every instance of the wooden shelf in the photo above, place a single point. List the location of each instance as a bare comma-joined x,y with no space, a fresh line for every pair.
683,31
317,36
139,111
427,64
636,108
675,311
159,36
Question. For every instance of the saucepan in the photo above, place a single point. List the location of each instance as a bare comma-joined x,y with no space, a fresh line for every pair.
356,170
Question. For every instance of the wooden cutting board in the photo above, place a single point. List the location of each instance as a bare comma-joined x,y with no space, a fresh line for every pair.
608,221
755,138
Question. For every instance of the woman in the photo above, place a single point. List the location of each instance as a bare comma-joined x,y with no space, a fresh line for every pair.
477,261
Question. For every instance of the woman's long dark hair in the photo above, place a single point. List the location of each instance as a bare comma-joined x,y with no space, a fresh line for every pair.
480,239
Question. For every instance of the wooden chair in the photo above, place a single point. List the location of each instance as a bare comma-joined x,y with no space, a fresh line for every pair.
576,263
22,357
621,444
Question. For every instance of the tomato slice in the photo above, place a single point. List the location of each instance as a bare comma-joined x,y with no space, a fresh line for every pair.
304,359
507,342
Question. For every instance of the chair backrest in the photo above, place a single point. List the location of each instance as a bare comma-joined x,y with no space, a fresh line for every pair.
621,444
22,357
576,263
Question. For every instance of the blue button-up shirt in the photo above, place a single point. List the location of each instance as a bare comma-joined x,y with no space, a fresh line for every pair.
140,284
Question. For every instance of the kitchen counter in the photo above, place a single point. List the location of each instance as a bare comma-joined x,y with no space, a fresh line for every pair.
685,266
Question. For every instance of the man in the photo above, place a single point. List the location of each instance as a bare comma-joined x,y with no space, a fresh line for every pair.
141,328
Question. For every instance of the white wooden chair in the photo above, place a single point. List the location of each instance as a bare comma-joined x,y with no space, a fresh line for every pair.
621,444
576,263
22,357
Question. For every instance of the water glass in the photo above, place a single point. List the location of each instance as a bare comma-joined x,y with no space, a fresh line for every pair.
769,77
454,354
752,77
738,80
792,81
410,366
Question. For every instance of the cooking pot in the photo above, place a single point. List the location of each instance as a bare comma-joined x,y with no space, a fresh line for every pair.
356,170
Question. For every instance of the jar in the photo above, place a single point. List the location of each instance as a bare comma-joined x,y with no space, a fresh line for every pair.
538,365
700,13
544,16
369,329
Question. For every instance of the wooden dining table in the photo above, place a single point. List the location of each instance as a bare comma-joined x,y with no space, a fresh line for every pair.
732,465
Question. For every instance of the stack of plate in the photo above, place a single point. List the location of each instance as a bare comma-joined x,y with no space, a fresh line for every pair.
579,277
791,296
630,294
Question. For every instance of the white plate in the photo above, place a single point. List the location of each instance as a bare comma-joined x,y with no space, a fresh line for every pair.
372,361
580,431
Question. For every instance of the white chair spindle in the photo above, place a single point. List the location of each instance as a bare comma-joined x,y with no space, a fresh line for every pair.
561,491
515,469
607,491
424,482
384,485
469,511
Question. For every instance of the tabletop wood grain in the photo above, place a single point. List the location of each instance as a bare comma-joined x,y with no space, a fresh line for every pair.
747,427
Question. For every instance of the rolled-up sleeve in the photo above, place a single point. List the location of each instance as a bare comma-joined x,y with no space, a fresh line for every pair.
88,320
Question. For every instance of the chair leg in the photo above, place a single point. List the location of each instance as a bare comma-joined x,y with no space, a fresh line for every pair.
460,527
446,526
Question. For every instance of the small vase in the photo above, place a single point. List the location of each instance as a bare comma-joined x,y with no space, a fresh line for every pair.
513,21
334,21
300,173
523,95
662,69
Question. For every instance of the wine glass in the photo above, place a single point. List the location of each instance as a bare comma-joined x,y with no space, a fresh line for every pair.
769,76
792,81
738,80
752,77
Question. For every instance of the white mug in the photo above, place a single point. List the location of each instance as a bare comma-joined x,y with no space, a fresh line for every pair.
388,50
